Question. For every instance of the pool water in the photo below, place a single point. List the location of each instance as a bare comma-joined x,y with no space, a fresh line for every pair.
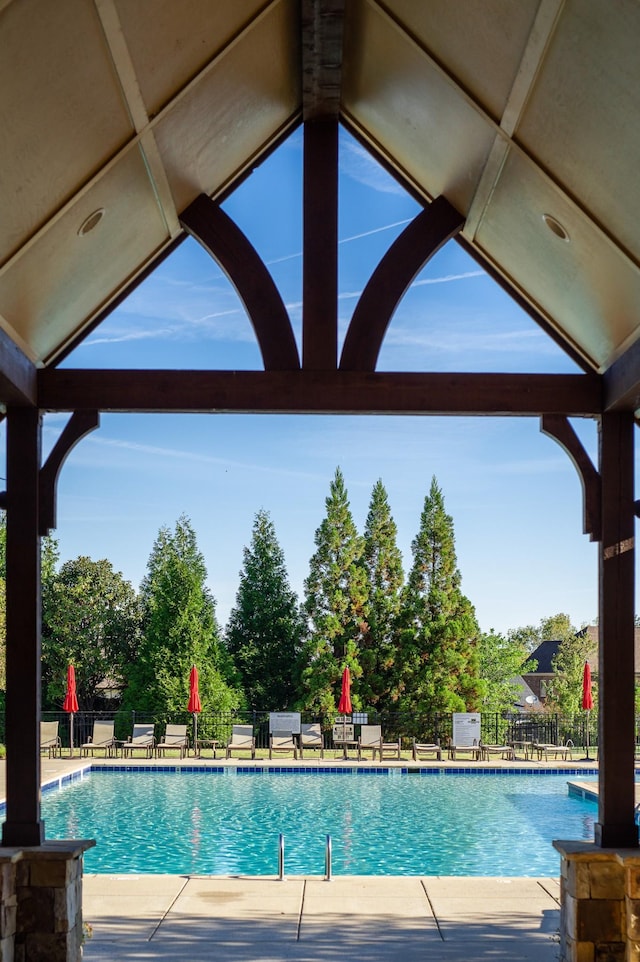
394,824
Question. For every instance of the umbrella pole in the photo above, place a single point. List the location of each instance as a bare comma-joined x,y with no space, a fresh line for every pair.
195,734
588,759
71,735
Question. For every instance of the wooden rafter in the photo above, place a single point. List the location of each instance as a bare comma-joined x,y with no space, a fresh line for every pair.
17,374
226,243
322,23
406,257
326,392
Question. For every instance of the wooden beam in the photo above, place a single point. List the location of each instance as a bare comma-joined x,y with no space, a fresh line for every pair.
320,247
237,257
616,798
406,257
622,382
18,380
322,25
23,825
327,392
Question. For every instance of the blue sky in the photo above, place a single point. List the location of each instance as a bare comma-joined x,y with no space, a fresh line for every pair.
514,495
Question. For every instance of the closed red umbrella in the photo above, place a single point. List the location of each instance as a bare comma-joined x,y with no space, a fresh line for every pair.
195,705
344,705
70,703
587,697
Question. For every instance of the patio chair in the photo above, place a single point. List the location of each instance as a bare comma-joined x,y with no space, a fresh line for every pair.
102,739
176,739
311,737
505,751
282,742
370,740
49,738
425,749
142,740
242,740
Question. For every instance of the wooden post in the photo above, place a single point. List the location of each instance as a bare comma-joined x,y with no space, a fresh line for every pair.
23,826
320,246
616,826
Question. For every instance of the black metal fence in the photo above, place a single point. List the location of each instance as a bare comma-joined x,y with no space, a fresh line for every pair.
495,728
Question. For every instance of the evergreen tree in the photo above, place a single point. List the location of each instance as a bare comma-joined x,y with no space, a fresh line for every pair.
91,619
439,668
336,605
265,629
382,562
179,630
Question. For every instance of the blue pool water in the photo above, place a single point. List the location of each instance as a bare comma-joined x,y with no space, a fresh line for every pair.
395,824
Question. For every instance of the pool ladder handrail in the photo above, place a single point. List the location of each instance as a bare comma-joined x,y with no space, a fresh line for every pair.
327,859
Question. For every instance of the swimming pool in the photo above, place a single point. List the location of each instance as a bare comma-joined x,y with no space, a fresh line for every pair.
380,824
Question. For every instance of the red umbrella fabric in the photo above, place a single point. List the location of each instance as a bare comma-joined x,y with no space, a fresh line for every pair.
70,702
587,698
195,704
344,705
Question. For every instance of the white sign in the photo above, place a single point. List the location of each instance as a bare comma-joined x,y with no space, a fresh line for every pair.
466,729
360,718
284,721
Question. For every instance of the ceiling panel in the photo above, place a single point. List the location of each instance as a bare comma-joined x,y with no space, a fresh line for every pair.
480,44
61,111
581,119
584,285
404,103
64,277
241,103
171,42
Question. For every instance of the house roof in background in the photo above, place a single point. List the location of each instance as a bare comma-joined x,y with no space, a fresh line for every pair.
524,115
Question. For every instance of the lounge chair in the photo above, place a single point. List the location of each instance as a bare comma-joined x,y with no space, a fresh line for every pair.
311,737
176,739
49,738
505,751
141,740
282,742
424,749
543,749
473,750
370,740
102,740
242,740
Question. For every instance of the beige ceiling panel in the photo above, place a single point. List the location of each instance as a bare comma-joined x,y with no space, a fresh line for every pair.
584,282
170,42
582,120
64,277
479,43
411,109
61,112
235,108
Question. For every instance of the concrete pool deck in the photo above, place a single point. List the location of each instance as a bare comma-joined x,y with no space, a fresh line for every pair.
369,918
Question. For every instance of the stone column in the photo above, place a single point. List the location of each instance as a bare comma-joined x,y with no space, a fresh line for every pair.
8,902
49,902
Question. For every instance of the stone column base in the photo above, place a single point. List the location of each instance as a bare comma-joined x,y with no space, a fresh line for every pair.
41,902
600,903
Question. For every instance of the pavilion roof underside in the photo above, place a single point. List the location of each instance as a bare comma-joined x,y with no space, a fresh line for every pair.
522,113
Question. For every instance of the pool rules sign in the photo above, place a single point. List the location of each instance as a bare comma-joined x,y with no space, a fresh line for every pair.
466,729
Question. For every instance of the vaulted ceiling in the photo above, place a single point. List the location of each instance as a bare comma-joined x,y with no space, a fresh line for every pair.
115,115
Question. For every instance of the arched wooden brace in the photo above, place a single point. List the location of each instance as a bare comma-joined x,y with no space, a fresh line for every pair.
225,242
79,424
557,426
406,257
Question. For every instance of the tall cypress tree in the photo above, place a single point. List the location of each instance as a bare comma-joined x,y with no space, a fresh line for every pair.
179,630
336,605
265,629
382,562
439,666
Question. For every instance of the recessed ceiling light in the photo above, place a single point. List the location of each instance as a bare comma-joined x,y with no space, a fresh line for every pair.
91,221
556,227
